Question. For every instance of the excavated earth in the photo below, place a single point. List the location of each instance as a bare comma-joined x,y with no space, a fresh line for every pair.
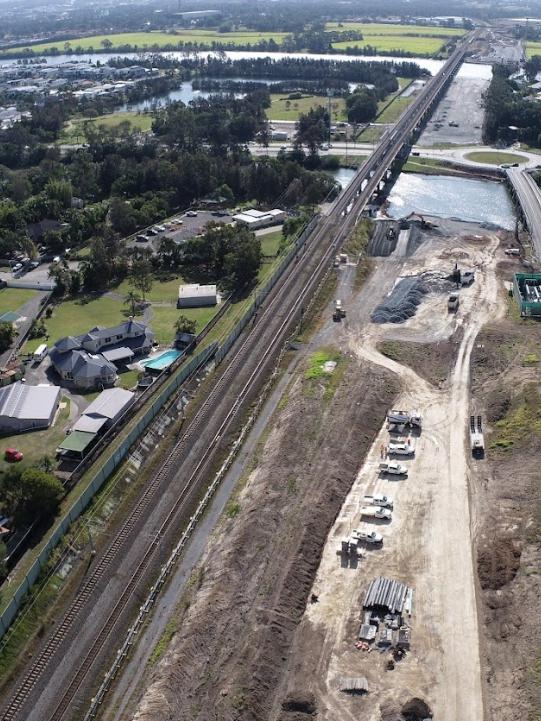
507,500
230,656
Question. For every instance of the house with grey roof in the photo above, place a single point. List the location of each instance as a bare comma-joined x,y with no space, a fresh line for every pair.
88,361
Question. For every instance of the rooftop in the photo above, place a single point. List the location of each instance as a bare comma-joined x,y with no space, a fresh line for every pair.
28,402
109,403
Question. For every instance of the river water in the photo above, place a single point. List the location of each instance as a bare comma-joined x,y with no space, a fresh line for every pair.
469,199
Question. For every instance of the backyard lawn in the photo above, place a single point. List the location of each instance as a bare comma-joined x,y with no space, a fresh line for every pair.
164,317
73,317
14,298
36,444
282,108
161,291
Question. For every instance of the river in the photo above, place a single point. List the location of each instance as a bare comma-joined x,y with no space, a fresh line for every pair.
469,199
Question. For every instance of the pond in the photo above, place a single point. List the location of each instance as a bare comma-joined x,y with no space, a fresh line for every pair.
469,199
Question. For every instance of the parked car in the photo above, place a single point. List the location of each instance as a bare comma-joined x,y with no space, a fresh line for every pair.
141,238
191,214
17,267
376,512
12,455
159,228
152,231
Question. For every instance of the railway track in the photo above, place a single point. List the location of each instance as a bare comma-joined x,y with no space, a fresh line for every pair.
221,408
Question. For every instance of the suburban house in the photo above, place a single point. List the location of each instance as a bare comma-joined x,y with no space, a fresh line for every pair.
197,296
27,408
88,360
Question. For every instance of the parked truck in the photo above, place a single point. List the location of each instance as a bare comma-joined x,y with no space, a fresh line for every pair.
477,439
376,512
401,449
452,303
405,418
393,468
371,538
378,499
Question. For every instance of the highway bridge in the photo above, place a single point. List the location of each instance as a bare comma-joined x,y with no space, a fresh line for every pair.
528,194
66,668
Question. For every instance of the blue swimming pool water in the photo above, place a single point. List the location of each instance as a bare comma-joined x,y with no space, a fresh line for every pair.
163,361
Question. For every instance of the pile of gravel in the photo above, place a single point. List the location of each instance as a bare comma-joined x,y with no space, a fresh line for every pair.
402,303
407,294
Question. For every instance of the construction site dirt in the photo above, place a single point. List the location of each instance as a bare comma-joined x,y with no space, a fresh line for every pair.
271,628
507,502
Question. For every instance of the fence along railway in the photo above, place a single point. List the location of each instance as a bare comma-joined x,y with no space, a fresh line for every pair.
190,460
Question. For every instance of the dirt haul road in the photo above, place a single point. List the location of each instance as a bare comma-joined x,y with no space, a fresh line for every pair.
429,542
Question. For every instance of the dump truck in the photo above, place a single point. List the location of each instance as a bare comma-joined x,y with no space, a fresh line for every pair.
376,512
393,468
378,499
405,418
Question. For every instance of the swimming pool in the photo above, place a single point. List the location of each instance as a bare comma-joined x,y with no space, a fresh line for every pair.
162,361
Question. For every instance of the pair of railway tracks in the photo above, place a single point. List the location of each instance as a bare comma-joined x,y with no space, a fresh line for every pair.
282,309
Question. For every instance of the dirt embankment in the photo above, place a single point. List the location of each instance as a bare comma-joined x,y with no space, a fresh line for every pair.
230,656
431,361
506,389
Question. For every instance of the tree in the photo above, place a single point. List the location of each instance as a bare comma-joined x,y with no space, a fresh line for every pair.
106,43
7,335
141,276
3,564
40,495
185,325
131,299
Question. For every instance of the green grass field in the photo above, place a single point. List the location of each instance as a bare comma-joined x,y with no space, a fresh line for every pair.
155,39
14,298
397,29
74,129
163,318
427,166
495,158
532,48
372,134
392,112
270,243
284,109
417,45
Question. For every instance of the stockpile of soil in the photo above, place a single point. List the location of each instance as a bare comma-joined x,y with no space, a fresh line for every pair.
229,658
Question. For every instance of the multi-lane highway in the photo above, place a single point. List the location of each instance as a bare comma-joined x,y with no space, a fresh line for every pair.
529,196
71,657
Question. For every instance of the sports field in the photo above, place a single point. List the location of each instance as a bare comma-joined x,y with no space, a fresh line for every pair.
154,39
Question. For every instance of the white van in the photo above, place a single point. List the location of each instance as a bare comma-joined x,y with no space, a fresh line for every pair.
40,353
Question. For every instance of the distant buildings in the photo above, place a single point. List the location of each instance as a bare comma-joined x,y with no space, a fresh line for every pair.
27,408
88,361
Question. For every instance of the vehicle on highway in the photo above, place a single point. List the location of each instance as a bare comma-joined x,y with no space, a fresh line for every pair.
393,468
379,499
191,214
376,512
370,537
